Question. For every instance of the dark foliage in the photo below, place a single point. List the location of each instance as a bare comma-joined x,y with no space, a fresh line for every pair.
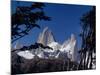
38,65
25,19
35,46
88,35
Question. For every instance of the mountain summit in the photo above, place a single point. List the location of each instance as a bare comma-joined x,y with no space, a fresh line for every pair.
69,46
47,47
46,37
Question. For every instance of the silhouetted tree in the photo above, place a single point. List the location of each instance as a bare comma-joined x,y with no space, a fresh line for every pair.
25,19
88,49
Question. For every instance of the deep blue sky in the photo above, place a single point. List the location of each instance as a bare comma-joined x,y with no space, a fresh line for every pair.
65,21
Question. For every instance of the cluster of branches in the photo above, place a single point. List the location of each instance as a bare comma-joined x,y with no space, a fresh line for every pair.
33,46
88,49
25,19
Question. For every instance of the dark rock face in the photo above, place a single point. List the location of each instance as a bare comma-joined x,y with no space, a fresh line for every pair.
23,66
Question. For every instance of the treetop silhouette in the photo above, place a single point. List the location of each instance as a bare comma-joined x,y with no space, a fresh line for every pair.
25,19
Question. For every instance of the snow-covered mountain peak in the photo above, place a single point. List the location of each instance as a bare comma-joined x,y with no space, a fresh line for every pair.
46,37
47,47
73,37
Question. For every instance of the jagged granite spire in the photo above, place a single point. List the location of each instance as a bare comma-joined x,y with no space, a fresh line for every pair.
69,46
46,37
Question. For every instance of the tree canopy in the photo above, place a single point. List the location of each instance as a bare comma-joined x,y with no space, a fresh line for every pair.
88,49
25,19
